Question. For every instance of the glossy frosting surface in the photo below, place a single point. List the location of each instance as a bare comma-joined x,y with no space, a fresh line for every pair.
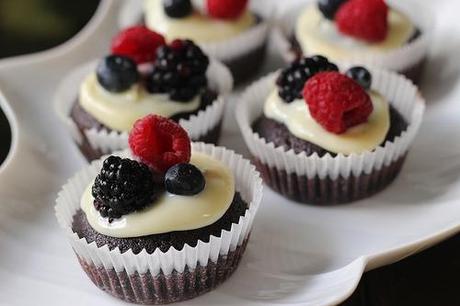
297,118
119,111
318,35
197,27
170,212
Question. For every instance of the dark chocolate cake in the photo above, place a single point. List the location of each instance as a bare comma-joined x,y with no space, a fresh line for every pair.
164,241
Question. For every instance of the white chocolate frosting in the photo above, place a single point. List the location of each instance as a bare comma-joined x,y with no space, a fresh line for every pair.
197,27
318,35
297,118
119,111
171,212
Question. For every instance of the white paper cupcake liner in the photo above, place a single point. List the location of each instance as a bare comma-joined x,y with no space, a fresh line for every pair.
105,141
402,59
403,96
161,266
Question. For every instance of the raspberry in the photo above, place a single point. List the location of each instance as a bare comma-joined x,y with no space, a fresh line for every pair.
336,101
226,9
179,71
159,142
138,43
363,19
122,186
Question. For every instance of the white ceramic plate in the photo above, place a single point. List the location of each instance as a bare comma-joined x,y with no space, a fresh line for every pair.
298,255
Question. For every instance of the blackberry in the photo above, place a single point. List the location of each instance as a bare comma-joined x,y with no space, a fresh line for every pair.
122,186
291,80
329,7
177,8
117,73
361,75
179,71
184,179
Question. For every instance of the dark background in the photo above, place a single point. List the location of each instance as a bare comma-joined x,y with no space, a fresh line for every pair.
28,26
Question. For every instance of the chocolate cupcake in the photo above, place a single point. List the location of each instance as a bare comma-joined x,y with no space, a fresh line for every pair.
368,32
165,222
227,30
177,81
322,137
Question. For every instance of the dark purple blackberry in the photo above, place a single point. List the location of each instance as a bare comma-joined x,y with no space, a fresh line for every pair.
122,186
291,80
179,71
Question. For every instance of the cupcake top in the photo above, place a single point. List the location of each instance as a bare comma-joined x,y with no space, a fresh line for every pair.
200,20
143,75
337,112
164,187
341,29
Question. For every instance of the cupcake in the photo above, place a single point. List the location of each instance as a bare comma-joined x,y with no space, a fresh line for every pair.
369,32
143,76
319,136
164,222
226,29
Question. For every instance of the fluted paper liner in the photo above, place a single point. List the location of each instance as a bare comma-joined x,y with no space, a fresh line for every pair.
198,126
328,179
402,59
206,265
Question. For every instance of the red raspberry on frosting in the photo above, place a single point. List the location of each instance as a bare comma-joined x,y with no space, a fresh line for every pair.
336,101
138,42
363,19
226,9
159,142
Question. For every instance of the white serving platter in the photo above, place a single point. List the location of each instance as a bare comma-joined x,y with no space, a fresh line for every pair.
298,255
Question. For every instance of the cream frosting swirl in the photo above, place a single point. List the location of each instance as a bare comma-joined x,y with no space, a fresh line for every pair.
297,118
119,111
197,27
318,35
171,212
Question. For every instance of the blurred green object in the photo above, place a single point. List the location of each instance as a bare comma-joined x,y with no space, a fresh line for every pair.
28,26
33,25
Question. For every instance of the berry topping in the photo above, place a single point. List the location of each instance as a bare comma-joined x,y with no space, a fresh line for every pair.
138,42
226,9
159,142
363,19
184,179
117,73
179,71
329,7
337,102
292,79
177,8
122,186
361,75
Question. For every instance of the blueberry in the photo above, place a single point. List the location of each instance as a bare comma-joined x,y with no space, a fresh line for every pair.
361,75
177,8
117,73
184,179
329,7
